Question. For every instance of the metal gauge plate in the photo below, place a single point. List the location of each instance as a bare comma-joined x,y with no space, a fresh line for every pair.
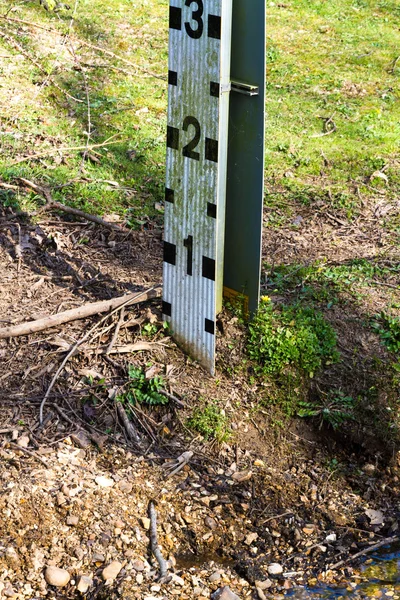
197,131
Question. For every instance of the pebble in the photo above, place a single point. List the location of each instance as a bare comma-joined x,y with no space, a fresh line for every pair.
210,523
145,522
224,593
23,441
216,576
250,538
138,565
112,570
56,576
263,585
84,584
125,486
72,520
104,481
275,569
332,537
98,558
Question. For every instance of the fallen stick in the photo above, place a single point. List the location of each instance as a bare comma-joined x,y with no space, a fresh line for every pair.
155,548
75,314
28,452
128,426
85,337
389,540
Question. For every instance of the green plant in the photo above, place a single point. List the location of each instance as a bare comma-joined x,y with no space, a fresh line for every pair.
141,390
388,329
210,421
290,336
333,409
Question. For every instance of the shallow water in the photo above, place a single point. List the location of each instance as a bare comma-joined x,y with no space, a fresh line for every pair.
379,577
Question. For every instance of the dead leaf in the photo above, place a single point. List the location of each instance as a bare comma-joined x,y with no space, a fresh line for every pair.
375,516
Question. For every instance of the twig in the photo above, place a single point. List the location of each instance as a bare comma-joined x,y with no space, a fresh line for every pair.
155,548
384,542
126,422
28,452
83,215
75,314
172,397
393,65
117,328
285,514
107,142
80,341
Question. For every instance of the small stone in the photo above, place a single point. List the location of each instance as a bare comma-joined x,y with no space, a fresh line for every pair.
242,476
9,592
225,593
84,584
275,569
112,571
56,576
23,441
155,588
210,523
216,576
104,481
250,538
145,523
197,591
263,585
98,557
61,499
369,469
308,529
139,578
125,486
178,580
72,520
332,537
138,565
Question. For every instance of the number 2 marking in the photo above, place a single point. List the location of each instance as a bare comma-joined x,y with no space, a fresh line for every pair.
196,16
188,150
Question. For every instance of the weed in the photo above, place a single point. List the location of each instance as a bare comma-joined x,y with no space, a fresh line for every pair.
140,390
334,409
388,329
290,336
210,421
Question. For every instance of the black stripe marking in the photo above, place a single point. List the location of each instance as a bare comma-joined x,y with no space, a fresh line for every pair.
214,27
214,89
208,268
167,309
172,78
211,210
170,253
172,138
211,150
209,326
169,195
175,17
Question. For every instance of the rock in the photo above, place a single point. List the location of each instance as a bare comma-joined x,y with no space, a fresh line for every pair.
242,476
112,571
23,441
210,523
332,537
250,538
125,486
138,565
72,520
263,585
216,576
56,576
260,594
224,593
98,557
104,481
275,569
145,523
84,584
369,469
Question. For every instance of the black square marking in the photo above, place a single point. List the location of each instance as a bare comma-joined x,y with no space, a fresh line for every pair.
169,195
169,253
214,27
167,309
172,138
208,268
209,326
211,150
211,210
214,89
175,17
172,78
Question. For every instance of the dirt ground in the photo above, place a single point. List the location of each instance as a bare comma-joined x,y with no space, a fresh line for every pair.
74,491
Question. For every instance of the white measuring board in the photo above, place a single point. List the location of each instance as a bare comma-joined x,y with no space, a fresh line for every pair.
197,133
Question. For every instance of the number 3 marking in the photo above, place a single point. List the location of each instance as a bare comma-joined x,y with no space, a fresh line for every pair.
188,150
196,16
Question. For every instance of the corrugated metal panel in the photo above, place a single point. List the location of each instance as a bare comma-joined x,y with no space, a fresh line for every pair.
199,71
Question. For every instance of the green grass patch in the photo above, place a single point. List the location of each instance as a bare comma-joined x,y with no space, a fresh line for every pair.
210,421
290,336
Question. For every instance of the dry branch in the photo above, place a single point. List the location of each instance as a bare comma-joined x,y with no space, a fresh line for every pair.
128,426
75,314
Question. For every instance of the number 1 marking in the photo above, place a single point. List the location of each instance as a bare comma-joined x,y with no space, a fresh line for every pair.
188,243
